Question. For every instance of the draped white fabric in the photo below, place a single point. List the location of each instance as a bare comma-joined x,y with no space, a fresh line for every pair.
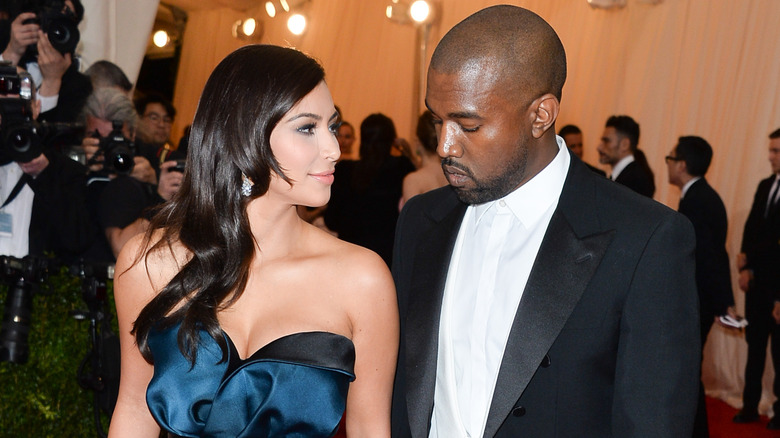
682,67
117,31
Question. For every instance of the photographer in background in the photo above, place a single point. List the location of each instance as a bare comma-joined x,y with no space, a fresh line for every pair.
120,194
43,38
154,128
42,192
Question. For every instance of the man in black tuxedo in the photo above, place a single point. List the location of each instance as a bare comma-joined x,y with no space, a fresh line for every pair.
759,278
537,299
619,149
700,203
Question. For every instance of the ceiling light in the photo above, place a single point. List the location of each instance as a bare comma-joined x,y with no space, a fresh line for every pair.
161,38
270,9
248,28
420,11
296,24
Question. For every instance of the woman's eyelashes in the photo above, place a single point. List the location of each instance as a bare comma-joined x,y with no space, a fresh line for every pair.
334,127
307,129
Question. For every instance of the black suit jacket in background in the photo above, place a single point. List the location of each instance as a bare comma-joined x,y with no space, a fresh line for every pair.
638,178
704,208
605,341
761,244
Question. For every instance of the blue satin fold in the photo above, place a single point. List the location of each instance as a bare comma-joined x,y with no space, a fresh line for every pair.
296,386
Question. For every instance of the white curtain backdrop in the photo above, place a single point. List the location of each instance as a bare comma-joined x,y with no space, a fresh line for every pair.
117,31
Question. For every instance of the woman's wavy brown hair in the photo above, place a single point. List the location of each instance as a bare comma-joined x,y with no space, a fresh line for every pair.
245,97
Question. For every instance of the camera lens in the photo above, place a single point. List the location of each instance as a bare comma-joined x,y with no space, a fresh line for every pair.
122,161
16,325
20,140
63,35
59,34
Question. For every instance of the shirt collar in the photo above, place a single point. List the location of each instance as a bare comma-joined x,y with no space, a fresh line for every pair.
622,164
529,201
688,186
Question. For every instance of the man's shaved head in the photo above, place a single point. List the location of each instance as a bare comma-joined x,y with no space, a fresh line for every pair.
526,49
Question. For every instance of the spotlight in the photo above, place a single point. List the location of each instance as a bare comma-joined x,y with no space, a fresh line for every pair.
418,12
421,11
296,24
161,38
248,28
270,9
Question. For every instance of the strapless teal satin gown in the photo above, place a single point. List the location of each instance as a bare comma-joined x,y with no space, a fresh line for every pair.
296,386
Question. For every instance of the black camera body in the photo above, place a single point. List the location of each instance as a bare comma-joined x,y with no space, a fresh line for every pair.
19,137
58,22
118,152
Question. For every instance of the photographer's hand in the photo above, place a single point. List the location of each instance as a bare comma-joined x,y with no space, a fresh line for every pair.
90,146
170,180
22,35
53,66
143,171
35,166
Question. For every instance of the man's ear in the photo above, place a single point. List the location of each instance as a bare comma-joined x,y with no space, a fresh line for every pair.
545,111
624,144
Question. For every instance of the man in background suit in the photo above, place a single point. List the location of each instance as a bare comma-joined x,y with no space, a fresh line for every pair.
699,202
572,135
619,149
537,299
759,278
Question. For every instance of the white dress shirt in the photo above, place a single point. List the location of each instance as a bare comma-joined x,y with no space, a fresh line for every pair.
688,185
620,165
494,252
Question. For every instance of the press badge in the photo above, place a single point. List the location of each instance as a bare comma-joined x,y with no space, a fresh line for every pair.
6,224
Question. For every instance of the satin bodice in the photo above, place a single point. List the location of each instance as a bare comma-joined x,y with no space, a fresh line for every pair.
296,386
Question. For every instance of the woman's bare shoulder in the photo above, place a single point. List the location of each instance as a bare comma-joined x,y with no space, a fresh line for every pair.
151,260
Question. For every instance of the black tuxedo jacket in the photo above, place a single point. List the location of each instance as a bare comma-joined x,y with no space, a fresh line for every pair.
704,208
638,178
761,244
605,341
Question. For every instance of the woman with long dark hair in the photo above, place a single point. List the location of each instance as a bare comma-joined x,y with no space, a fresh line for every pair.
237,318
364,207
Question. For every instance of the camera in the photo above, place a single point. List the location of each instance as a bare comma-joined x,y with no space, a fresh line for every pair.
22,276
179,167
117,151
57,21
18,129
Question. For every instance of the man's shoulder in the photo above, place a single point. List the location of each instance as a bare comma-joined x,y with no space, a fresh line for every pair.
615,204
440,199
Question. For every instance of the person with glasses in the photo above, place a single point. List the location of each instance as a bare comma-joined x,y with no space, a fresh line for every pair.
701,204
155,118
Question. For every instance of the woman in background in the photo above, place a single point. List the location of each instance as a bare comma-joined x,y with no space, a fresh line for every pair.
364,207
237,318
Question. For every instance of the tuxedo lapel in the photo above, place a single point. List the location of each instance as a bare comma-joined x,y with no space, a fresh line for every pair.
422,332
562,269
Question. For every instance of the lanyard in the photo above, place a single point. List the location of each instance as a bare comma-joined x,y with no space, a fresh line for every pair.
17,188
